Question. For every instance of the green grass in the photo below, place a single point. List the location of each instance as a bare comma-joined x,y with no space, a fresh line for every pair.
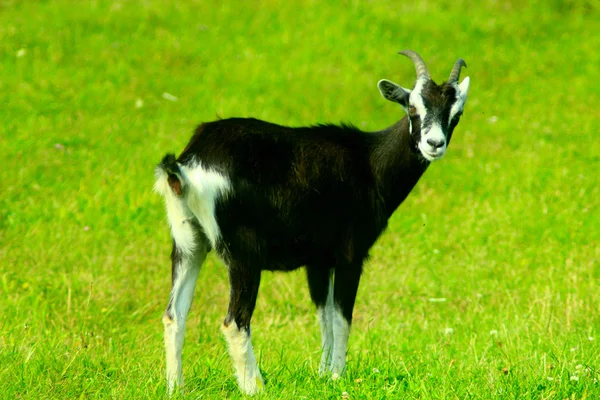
505,228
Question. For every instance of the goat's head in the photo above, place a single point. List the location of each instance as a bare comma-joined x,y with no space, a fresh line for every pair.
433,110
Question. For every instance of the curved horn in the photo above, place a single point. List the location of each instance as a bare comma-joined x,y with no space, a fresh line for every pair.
422,71
455,73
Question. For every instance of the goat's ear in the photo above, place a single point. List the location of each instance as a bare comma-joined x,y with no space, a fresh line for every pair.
392,92
464,88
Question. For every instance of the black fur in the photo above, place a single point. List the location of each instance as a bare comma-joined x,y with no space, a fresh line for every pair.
169,165
317,197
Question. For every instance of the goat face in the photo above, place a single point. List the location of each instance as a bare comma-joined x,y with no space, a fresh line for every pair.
433,110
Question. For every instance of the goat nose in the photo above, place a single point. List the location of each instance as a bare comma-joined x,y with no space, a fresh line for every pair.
436,144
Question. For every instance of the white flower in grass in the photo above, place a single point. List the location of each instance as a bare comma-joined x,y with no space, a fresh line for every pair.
437,299
345,395
375,371
139,103
21,53
169,96
494,332
574,378
448,331
550,378
590,338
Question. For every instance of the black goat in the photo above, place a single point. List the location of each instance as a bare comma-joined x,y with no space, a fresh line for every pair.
268,197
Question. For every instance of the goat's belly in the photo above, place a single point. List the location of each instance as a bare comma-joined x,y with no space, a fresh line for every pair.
247,246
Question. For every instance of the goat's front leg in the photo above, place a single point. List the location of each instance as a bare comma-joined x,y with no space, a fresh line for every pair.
320,284
344,294
186,266
236,327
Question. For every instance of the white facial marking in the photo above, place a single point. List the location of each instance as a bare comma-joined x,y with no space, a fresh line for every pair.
326,315
248,375
416,100
434,134
456,108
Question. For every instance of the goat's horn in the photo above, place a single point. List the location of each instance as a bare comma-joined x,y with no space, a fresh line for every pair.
422,71
455,73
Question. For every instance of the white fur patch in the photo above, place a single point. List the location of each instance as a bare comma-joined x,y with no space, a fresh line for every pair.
341,333
174,319
325,315
464,88
416,100
462,91
436,134
240,349
456,108
203,187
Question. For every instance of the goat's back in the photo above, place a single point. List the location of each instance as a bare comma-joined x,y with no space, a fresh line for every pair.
298,195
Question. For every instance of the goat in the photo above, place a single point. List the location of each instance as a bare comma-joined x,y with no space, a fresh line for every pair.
268,197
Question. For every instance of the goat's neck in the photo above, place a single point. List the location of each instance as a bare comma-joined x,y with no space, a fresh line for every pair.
396,164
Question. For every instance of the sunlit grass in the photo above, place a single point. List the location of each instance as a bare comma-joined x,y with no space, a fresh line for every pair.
484,286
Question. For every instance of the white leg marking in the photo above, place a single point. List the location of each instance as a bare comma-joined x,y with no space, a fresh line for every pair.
176,314
198,203
325,315
240,349
341,332
192,250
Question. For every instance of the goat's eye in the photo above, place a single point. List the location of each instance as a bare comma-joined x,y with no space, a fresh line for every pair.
412,111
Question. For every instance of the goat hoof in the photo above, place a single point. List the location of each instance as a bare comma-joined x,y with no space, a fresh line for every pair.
252,387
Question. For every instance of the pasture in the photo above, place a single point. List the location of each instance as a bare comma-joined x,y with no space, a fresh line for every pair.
485,285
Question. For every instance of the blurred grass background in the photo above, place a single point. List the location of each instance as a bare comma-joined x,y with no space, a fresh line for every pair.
505,228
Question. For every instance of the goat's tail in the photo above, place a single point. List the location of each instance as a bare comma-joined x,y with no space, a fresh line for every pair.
169,177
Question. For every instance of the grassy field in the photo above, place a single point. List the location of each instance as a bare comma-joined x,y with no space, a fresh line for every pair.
486,284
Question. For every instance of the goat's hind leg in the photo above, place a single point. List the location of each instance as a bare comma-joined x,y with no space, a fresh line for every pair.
187,258
244,281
